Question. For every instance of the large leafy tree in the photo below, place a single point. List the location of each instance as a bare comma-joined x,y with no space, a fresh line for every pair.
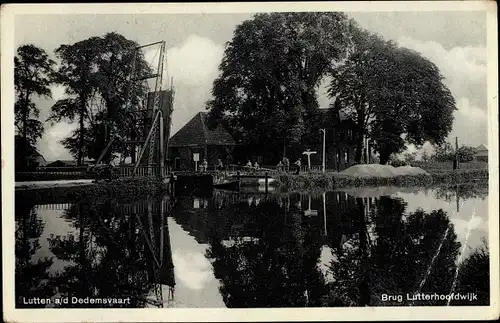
77,73
393,94
32,77
270,73
113,87
96,73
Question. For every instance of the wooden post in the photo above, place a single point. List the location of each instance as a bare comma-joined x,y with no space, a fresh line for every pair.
324,212
162,148
323,162
238,177
172,184
267,176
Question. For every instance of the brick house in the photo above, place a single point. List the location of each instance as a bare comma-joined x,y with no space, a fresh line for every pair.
196,138
340,144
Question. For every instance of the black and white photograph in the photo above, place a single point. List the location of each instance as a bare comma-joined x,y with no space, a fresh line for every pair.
250,161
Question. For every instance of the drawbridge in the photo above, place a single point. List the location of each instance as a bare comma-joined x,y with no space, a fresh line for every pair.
142,134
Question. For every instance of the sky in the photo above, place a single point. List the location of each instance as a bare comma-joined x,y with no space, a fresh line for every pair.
454,41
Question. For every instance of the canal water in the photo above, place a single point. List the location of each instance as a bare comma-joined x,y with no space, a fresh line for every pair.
357,247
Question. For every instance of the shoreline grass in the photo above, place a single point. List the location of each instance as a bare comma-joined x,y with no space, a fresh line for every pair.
121,188
335,180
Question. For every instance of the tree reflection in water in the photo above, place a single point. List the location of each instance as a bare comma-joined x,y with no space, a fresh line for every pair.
270,261
108,256
31,276
266,250
377,248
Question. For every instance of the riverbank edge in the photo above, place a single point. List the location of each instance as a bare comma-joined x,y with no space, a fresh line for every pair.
148,186
117,189
331,181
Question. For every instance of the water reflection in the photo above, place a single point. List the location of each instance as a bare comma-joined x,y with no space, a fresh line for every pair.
346,248
112,251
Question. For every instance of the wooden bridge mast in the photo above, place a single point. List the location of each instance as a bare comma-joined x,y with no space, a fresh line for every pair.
153,134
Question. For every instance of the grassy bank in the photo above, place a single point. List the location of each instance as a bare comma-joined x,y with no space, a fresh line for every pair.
309,181
438,167
122,188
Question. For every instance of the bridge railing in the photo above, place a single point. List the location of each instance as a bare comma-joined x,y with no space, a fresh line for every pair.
141,171
233,169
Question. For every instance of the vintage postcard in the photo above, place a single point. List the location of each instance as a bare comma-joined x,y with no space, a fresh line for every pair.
287,161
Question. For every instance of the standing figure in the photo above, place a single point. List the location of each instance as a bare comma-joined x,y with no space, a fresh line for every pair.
298,166
279,167
286,163
204,166
220,165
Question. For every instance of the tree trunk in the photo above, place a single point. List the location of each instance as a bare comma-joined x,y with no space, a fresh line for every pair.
108,127
358,155
25,134
80,145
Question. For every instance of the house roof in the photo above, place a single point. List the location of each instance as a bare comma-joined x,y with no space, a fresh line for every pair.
196,132
481,147
65,162
340,114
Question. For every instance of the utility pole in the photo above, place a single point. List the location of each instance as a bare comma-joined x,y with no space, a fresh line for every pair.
324,139
456,152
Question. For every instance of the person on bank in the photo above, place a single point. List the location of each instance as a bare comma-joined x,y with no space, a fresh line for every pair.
298,164
204,166
286,164
220,165
279,167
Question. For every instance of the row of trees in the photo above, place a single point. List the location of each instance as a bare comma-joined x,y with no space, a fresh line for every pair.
443,153
272,69
447,153
266,93
94,73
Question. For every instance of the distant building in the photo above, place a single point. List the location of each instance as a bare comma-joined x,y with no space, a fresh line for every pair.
62,163
481,153
196,141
